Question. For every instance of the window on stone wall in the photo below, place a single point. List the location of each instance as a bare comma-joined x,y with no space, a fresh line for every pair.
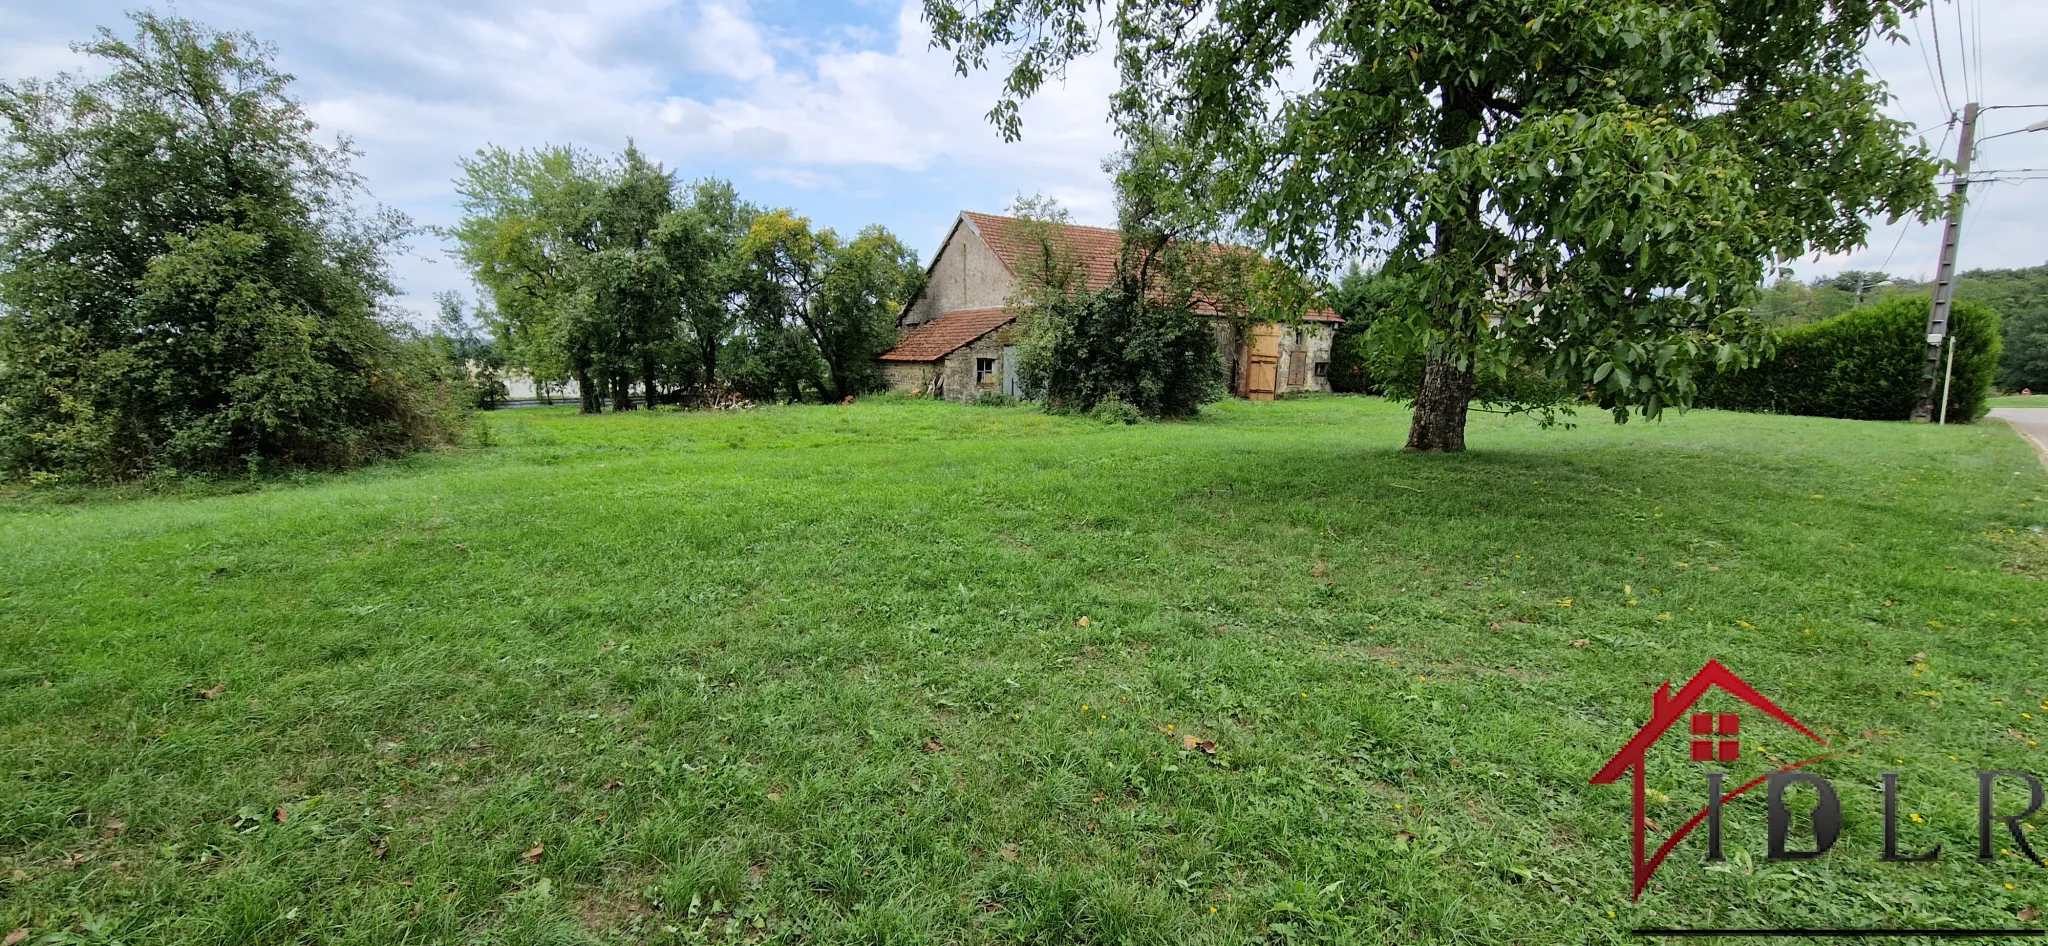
1322,369
984,371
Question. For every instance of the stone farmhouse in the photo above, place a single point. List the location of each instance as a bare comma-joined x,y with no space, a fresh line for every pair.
956,340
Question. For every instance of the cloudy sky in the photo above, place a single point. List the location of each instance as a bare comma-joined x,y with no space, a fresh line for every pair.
840,109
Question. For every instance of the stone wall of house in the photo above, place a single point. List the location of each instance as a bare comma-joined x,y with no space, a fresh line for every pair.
1311,341
908,377
1307,345
967,275
959,366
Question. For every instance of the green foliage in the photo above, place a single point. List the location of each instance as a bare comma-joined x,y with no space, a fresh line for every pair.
2024,364
1867,364
1378,351
1588,191
2019,296
995,399
1362,297
1116,410
186,287
821,670
610,274
1080,349
472,361
589,274
835,301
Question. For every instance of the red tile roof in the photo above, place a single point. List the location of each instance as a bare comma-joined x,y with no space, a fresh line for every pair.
944,335
1095,248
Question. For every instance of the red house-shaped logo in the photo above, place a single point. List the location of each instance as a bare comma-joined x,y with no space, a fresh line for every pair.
1714,737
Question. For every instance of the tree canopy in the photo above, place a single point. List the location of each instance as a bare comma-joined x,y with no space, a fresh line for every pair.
188,286
608,272
1590,190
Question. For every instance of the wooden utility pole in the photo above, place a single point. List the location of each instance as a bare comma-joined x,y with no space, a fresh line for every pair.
1945,273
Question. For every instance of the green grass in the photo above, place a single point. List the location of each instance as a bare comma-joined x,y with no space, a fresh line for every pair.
818,675
2015,400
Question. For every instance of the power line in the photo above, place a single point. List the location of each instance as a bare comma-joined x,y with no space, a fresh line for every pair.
1976,48
1940,67
1940,93
1950,128
1963,53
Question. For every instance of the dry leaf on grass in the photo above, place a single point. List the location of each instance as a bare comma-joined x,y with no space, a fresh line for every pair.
213,693
15,936
1009,852
614,783
774,796
533,856
281,815
2030,914
932,745
1581,641
379,850
1320,570
1081,621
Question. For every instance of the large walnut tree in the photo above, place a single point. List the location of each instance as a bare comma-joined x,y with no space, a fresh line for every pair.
1588,191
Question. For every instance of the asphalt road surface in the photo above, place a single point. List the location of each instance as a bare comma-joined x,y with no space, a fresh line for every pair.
2029,422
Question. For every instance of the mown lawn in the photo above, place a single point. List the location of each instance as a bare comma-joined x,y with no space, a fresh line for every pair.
822,675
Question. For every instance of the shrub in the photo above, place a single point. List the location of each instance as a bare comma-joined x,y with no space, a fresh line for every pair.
994,399
1115,410
1086,348
1866,364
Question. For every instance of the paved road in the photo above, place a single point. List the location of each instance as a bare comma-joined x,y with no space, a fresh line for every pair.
2029,422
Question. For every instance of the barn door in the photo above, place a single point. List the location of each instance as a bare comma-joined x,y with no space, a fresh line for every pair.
1262,362
1010,372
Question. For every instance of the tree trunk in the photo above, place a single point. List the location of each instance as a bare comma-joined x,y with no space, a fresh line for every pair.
647,378
1439,424
622,393
586,394
1459,254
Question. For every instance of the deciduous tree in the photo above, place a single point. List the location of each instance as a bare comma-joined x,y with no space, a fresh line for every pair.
187,285
1588,189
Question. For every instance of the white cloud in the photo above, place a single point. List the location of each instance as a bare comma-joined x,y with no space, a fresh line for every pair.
705,86
853,121
2003,224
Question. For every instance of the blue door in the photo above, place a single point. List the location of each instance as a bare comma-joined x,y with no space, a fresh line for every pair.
1010,372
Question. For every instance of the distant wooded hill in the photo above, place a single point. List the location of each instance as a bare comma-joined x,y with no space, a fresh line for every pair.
2019,295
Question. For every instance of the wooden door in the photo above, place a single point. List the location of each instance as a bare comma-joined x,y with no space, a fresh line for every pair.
1262,363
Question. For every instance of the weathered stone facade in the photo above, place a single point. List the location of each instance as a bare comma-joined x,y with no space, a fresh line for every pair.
965,275
959,375
1306,347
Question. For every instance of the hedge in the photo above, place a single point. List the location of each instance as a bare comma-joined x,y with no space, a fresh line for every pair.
1865,364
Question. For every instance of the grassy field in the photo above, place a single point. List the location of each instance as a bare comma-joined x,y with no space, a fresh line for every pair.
913,672
2019,400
